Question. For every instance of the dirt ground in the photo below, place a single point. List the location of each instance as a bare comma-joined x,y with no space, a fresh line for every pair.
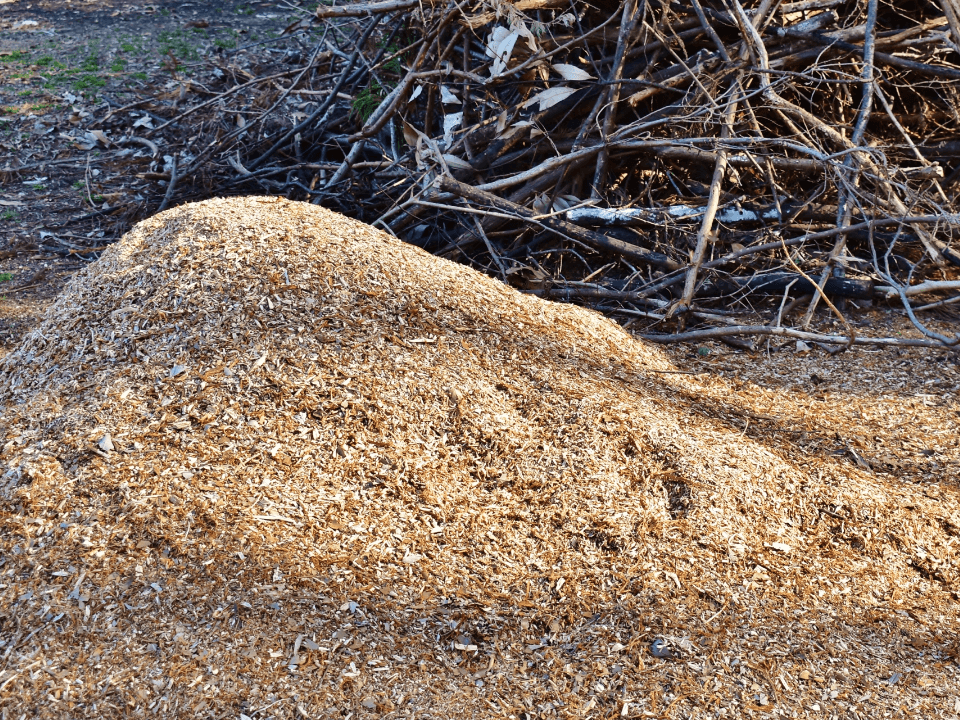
62,65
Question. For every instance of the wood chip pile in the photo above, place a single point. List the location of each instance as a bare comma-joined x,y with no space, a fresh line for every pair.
262,459
699,169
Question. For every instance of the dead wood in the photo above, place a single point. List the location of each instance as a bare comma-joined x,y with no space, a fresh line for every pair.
561,227
722,133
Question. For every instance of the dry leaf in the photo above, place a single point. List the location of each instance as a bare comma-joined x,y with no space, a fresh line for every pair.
456,163
550,97
571,72
447,97
450,123
410,134
500,48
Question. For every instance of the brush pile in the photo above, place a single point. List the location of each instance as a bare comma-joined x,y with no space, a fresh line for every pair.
704,168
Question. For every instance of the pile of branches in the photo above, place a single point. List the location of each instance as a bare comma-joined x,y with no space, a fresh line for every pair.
699,169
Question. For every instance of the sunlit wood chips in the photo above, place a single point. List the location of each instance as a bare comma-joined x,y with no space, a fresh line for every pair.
263,459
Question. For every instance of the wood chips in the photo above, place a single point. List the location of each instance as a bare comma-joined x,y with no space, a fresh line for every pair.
262,460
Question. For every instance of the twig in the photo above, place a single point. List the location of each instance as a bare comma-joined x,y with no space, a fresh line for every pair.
852,160
612,95
364,9
716,333
921,288
706,232
171,185
493,255
212,101
938,304
114,111
818,290
326,105
559,226
951,9
345,165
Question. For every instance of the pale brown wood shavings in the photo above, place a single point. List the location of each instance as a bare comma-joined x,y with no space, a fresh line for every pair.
261,458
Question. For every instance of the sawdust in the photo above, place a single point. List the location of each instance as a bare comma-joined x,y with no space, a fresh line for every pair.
263,459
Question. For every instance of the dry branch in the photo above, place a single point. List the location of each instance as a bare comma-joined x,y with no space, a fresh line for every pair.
810,128
561,227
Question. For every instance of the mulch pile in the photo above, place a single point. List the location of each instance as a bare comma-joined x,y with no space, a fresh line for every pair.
262,460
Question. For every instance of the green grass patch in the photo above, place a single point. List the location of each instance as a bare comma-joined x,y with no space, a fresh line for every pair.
392,66
90,64
367,101
118,65
53,73
6,277
178,43
88,83
9,215
15,56
139,75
